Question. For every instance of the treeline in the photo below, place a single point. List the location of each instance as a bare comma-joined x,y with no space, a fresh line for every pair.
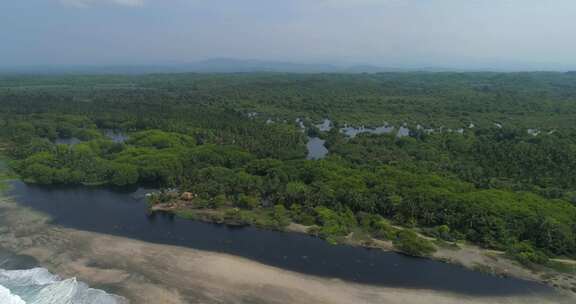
493,218
508,158
528,100
499,187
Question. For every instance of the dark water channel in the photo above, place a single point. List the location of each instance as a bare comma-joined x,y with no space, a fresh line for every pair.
123,213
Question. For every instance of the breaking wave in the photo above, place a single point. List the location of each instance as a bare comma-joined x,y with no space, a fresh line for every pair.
39,286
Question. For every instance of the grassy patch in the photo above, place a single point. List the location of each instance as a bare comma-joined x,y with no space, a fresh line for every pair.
187,214
561,267
359,236
5,174
259,217
3,185
446,245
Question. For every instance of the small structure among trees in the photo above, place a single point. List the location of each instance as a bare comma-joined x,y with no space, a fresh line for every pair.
187,196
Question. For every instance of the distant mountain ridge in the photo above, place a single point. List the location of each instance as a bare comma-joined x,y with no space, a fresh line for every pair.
231,65
216,65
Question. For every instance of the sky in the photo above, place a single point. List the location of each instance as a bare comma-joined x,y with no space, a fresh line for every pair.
469,34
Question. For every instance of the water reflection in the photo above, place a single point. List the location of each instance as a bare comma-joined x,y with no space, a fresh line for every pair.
353,132
325,126
403,132
316,148
116,136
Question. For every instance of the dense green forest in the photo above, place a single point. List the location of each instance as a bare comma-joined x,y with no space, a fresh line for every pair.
489,158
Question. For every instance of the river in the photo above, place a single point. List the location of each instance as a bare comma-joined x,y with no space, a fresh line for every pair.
123,213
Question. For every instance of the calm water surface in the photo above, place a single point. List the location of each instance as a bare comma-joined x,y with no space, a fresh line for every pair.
116,136
316,148
352,131
325,126
123,213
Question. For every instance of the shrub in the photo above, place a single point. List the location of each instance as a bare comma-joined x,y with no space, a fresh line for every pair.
280,216
187,214
248,201
299,215
220,201
334,223
410,243
444,233
232,214
526,254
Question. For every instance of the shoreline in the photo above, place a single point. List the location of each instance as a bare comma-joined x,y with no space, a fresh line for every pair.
466,255
154,273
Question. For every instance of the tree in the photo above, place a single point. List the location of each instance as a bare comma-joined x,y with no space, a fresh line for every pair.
40,173
248,201
123,175
296,191
280,216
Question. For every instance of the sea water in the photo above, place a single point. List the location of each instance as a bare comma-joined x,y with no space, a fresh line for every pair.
39,286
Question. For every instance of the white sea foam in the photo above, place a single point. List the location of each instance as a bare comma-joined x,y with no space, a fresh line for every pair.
6,297
39,286
35,276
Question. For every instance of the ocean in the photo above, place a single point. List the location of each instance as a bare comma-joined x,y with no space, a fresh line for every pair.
39,286
22,282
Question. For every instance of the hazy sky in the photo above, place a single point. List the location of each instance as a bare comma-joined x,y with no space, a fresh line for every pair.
533,34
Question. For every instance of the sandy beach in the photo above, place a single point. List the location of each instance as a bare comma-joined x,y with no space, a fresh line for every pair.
151,273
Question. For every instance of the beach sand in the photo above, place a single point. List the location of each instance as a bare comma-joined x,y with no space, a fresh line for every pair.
153,273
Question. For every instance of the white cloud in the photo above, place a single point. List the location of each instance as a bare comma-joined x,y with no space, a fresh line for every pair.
88,3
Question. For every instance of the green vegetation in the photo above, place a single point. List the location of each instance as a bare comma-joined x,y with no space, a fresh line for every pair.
410,243
481,175
267,218
3,184
526,254
5,173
